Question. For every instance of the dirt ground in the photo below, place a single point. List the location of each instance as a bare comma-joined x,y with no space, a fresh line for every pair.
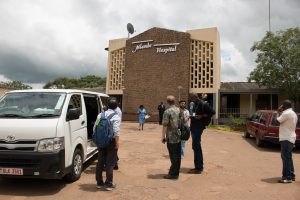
234,168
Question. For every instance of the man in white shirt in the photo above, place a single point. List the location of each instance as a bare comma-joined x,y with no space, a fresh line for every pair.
287,137
108,156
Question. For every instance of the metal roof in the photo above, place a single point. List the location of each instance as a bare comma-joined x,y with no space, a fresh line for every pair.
246,87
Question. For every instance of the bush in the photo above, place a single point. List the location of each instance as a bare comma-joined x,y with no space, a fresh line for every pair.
236,123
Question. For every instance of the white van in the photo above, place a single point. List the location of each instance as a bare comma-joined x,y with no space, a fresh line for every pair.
47,133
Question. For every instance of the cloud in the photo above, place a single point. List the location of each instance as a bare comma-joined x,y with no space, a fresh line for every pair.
41,40
234,65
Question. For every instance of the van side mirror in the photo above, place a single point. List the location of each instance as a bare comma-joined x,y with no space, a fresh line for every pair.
73,114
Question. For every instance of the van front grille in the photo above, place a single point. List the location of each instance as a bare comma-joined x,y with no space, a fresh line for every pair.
7,162
18,149
19,142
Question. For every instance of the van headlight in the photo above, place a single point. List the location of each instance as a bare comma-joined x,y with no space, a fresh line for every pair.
51,145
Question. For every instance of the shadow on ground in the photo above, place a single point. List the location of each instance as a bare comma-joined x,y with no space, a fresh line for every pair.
30,187
268,146
271,180
89,187
37,187
156,176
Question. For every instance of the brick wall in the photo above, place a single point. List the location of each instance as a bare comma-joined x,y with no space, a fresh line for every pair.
150,76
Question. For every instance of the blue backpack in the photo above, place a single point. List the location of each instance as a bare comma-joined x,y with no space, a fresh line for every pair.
103,132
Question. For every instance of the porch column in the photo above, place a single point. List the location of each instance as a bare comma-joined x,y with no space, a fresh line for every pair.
216,107
271,101
250,107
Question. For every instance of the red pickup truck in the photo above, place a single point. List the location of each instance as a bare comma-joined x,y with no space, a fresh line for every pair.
264,127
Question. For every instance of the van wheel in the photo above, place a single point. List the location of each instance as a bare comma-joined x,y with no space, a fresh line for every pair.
246,134
259,142
76,166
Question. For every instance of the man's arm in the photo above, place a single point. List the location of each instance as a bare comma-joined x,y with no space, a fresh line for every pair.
280,116
164,134
165,122
116,129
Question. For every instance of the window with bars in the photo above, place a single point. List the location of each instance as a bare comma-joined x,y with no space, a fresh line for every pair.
201,64
117,66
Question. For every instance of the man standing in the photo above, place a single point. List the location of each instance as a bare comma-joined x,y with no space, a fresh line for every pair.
200,114
161,109
186,115
107,156
287,137
171,136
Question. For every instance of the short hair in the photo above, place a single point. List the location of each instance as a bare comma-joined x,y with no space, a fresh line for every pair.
171,99
287,104
194,96
141,106
112,103
182,101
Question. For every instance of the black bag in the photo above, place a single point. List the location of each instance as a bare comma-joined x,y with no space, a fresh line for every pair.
184,130
205,109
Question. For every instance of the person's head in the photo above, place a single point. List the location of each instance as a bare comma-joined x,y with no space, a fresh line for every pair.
161,103
182,104
112,103
171,100
286,104
141,106
194,96
204,96
105,108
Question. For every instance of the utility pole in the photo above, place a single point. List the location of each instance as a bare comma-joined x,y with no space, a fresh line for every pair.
269,15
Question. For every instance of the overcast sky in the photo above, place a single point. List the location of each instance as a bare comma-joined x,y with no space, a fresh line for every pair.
41,40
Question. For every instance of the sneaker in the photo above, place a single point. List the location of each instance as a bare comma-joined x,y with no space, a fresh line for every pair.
110,187
195,171
100,185
170,177
284,181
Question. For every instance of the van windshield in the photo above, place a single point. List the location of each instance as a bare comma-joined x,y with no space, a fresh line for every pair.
31,105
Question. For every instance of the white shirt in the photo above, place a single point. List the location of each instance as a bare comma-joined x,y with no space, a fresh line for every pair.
288,121
118,110
115,121
186,115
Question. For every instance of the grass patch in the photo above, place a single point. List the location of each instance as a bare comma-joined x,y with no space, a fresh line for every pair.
223,128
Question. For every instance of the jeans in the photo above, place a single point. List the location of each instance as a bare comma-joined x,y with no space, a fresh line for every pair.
196,144
287,160
106,157
174,153
182,148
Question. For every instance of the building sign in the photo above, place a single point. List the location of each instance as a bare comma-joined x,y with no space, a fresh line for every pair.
166,48
146,44
160,48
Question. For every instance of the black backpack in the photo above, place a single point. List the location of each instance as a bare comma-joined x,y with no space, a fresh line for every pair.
205,109
184,130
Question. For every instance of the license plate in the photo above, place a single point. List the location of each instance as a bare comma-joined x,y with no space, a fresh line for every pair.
11,171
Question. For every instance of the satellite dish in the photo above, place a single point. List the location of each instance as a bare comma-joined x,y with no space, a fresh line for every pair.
130,29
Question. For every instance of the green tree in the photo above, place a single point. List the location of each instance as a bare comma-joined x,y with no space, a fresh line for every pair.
90,81
15,85
278,62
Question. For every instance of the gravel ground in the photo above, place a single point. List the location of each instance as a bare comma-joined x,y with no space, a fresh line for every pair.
234,168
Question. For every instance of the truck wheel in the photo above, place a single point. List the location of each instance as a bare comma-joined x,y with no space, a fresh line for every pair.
76,167
259,142
246,134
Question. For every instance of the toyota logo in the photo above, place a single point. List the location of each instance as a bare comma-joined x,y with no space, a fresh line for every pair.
11,139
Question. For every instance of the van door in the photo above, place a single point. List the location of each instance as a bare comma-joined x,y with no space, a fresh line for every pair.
76,129
93,108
